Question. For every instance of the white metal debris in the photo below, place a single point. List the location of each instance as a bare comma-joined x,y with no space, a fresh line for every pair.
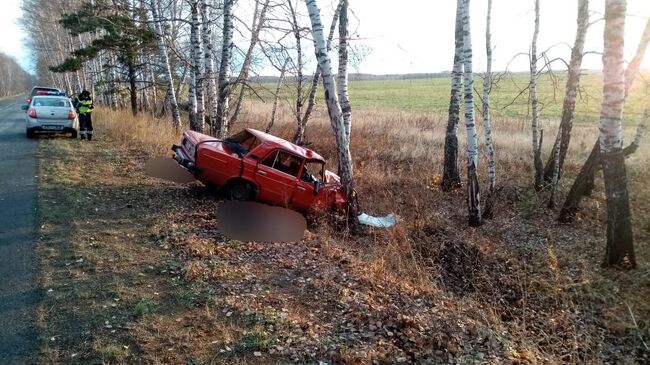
379,222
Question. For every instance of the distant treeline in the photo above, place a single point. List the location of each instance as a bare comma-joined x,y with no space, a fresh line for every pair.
13,78
367,77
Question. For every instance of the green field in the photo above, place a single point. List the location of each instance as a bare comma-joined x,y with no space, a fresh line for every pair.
432,96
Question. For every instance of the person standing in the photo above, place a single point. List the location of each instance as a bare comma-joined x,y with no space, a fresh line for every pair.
85,108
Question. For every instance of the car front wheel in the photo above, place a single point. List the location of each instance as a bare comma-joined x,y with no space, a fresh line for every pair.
241,191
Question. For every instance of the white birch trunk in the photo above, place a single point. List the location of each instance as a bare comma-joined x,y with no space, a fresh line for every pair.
633,68
620,249
314,82
556,172
473,196
224,69
208,59
333,106
537,157
164,58
198,122
487,84
570,93
342,77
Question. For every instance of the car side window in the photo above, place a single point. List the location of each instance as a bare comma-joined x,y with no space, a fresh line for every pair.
283,162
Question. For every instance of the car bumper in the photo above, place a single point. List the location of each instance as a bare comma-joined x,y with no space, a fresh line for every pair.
42,129
181,157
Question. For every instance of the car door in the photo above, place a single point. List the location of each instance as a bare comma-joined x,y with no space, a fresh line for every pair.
277,176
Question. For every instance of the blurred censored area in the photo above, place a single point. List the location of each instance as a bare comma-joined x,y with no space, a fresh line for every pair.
251,221
168,169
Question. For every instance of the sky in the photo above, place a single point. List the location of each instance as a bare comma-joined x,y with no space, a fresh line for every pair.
414,36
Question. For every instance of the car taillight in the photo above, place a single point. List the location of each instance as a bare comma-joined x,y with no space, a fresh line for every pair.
70,115
32,113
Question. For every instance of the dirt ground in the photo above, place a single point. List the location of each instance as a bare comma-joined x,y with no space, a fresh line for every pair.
136,272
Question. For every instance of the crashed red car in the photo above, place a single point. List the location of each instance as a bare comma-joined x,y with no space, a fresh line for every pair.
253,165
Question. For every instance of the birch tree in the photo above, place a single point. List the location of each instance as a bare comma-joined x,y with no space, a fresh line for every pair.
224,70
198,122
537,153
450,174
342,77
473,196
333,107
620,248
164,59
259,18
584,182
208,60
571,91
487,127
299,135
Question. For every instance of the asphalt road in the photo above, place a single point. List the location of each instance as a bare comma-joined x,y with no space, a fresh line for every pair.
19,292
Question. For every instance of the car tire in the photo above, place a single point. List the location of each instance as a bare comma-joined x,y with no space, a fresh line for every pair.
29,134
241,191
73,135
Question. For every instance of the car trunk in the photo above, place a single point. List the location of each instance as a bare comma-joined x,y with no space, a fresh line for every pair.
52,116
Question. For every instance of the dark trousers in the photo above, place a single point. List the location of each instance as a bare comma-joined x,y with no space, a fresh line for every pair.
86,125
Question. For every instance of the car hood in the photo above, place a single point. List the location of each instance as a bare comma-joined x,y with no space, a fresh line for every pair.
331,178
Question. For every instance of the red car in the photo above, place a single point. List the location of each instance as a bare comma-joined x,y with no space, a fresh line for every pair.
253,165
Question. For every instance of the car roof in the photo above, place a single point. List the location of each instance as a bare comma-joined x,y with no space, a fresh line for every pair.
279,142
51,97
45,88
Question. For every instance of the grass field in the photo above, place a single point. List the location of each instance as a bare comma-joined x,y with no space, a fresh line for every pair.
432,96
136,271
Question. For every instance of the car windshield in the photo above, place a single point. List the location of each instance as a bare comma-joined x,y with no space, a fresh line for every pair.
313,171
51,102
40,90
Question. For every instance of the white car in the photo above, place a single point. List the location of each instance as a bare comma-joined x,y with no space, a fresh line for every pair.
51,114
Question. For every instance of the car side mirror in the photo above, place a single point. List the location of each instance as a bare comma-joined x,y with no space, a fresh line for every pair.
316,187
24,107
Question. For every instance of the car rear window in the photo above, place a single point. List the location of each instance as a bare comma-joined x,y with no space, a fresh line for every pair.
63,103
36,90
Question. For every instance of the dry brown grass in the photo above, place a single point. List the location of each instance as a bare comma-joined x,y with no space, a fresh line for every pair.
521,288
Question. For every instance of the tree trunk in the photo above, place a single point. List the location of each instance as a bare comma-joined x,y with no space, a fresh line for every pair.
208,59
299,136
164,58
333,106
133,89
198,122
570,94
584,183
473,196
633,67
537,153
450,175
224,70
342,77
556,172
258,24
620,249
277,96
487,127
311,101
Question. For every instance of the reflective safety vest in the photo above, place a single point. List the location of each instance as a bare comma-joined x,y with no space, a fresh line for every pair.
85,106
